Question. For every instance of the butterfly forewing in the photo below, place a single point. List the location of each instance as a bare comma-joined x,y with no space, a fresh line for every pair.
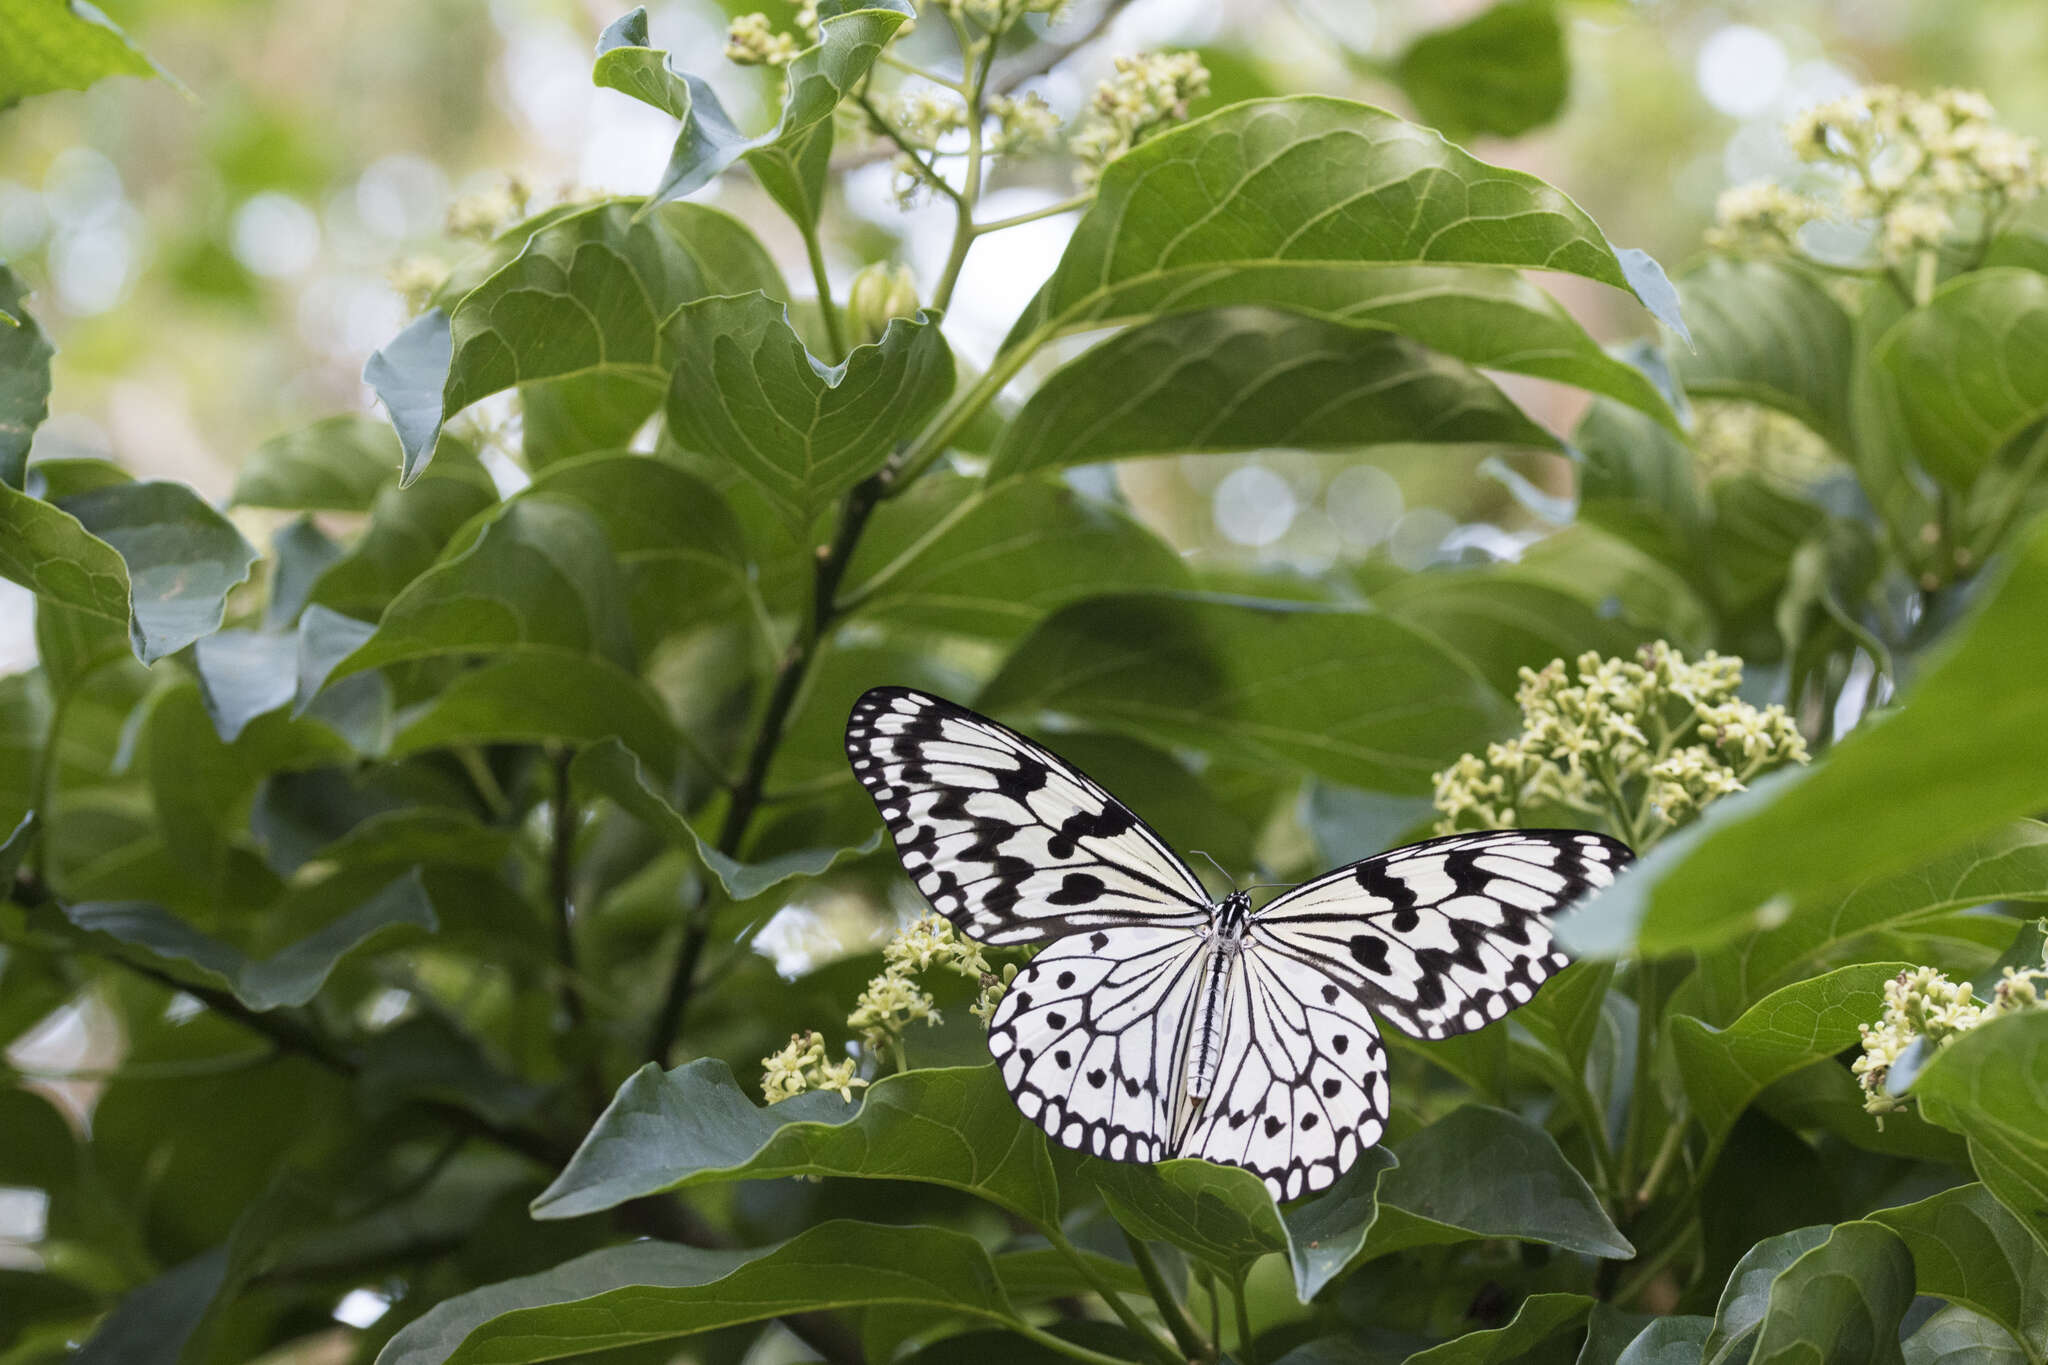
1003,837
1444,936
1088,1034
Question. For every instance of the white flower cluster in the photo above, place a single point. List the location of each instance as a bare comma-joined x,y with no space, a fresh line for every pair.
1148,92
892,1001
1642,745
1916,165
752,40
488,212
801,1066
1731,436
997,15
1923,1003
924,117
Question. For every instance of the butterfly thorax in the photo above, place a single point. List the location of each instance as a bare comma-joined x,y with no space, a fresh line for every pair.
1225,934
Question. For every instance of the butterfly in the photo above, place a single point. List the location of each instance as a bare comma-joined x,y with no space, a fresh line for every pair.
1158,1021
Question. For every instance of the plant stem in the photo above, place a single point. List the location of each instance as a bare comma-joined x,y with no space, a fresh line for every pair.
1079,201
561,868
484,780
974,64
926,450
1060,1345
1667,1152
1638,1100
828,311
1186,1334
36,864
1246,1353
925,169
746,795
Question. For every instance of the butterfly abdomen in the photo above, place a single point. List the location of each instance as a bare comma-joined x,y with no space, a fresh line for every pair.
1205,1048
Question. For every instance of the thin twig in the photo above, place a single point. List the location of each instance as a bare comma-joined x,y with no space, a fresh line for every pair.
561,869
1186,1334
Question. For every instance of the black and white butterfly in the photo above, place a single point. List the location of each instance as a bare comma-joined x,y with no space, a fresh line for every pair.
1159,1022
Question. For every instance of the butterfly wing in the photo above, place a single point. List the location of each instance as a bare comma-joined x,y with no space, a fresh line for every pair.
1089,1038
1444,936
1301,1089
1003,837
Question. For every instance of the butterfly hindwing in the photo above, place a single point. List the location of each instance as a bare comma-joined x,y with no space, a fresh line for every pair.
1444,936
1302,1085
1089,1034
1004,838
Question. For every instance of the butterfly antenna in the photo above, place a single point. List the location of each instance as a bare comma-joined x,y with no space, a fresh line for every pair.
1219,869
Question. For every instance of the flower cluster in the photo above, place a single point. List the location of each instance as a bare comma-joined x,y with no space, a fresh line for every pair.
892,1001
752,40
801,1067
485,214
1148,92
997,15
1915,165
1640,744
1735,437
1024,124
1923,1004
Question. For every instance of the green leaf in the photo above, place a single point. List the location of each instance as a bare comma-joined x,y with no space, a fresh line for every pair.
1502,72
1724,1069
746,392
1222,1216
1767,332
2010,863
1621,579
1483,1172
1675,1340
694,1126
244,674
1969,1249
1971,369
1991,1085
955,556
652,1291
1965,753
1503,621
1275,190
532,695
1956,1336
50,45
1541,1317
591,292
1747,1295
152,1324
1840,1303
293,976
408,528
1262,683
790,157
609,768
1244,379
1324,1233
152,554
24,369
540,574
338,464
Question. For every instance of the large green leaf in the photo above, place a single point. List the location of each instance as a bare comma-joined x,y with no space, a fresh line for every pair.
1747,1295
1971,369
1965,753
653,1291
609,768
1504,621
693,1126
1991,1085
790,158
2010,863
24,377
1969,1249
50,45
1350,694
154,555
1484,1172
1957,1336
407,531
1674,1340
531,695
953,555
1541,1317
745,391
290,977
1839,1303
590,293
1309,194
1503,72
1765,331
337,464
1247,378
541,574
1724,1069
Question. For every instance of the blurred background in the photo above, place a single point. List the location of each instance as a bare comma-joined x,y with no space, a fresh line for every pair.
216,263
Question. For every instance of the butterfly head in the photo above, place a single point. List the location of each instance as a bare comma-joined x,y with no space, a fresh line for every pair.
1229,916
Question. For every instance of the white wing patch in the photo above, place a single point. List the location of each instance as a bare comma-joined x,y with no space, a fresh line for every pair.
1004,838
1088,1038
1445,936
1302,1089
